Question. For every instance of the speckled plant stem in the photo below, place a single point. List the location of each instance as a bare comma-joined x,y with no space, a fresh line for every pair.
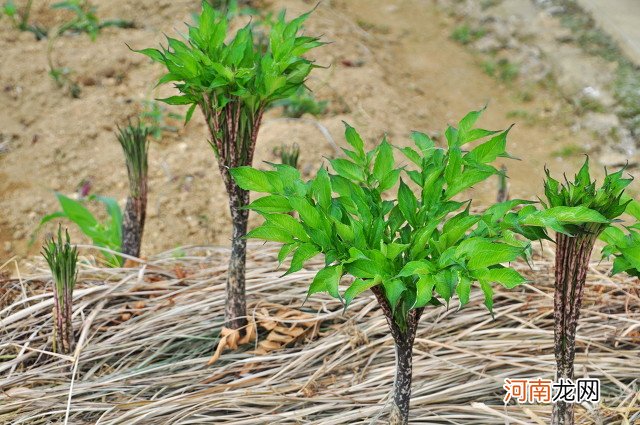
404,353
572,264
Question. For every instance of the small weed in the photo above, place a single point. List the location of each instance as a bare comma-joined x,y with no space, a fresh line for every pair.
524,96
501,69
465,34
583,104
487,4
568,151
529,118
154,118
20,18
301,102
85,19
289,155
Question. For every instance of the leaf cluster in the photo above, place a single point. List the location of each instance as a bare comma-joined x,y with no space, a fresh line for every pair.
209,70
135,145
301,102
107,234
422,250
572,205
624,247
86,19
62,258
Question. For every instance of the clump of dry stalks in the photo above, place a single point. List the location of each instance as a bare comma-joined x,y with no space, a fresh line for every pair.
145,336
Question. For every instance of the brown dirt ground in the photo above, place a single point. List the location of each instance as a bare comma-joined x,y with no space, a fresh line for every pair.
411,76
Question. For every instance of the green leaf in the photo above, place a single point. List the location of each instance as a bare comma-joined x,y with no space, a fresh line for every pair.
309,215
509,278
424,290
153,54
384,161
272,233
393,290
490,150
446,282
488,295
422,141
563,215
407,202
357,287
288,224
271,204
467,123
321,186
420,268
483,253
303,254
189,114
177,100
354,139
284,252
348,169
463,289
248,178
327,280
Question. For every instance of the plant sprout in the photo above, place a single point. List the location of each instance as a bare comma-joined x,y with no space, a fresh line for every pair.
62,259
232,83
410,251
301,102
135,145
289,154
593,211
84,21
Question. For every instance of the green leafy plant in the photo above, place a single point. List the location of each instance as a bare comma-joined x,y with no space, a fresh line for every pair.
86,21
581,213
85,18
464,34
232,83
288,154
106,235
624,247
62,259
135,145
300,103
501,69
20,18
410,251
154,118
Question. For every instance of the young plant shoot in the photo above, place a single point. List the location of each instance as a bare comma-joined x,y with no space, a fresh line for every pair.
410,251
62,259
581,212
232,84
135,145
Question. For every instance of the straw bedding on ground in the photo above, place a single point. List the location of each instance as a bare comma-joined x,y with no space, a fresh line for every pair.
146,333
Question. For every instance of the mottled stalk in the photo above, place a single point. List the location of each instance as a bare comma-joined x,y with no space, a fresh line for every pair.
234,132
572,264
403,340
135,145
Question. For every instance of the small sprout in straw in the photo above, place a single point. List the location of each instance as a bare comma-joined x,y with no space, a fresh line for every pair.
62,258
135,145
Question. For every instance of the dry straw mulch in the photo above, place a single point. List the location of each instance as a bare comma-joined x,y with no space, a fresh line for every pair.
145,335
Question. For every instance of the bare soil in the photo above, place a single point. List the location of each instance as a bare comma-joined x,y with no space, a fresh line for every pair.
392,68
